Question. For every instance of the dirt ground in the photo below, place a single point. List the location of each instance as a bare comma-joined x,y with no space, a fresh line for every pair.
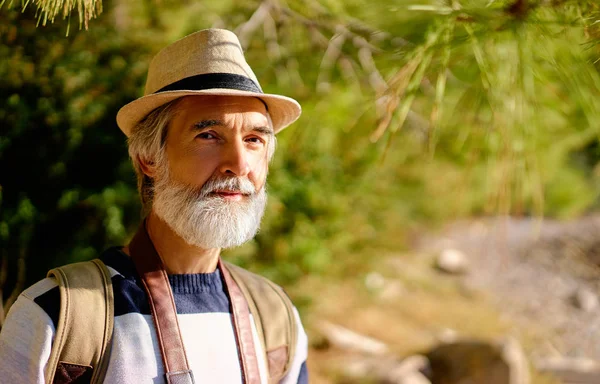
522,276
531,269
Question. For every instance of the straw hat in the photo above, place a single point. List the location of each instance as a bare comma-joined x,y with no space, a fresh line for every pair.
207,62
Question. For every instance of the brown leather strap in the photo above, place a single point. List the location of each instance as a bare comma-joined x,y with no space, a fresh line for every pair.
243,329
156,283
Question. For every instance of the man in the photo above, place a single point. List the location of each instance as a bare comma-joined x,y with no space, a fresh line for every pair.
200,141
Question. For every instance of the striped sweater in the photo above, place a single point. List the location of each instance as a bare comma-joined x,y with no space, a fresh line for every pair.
203,313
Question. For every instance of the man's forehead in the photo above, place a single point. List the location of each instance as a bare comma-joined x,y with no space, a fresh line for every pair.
200,112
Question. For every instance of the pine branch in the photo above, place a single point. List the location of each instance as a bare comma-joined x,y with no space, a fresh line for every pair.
49,10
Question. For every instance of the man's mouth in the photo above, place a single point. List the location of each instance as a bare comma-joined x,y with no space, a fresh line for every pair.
229,195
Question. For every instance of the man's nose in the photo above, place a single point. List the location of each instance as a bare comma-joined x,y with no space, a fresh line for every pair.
235,160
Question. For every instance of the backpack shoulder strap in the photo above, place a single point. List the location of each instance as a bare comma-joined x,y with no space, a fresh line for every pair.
85,323
273,313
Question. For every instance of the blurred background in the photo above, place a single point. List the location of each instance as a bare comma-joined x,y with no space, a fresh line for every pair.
433,213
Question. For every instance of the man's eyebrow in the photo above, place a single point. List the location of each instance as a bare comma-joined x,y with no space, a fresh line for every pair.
263,129
206,124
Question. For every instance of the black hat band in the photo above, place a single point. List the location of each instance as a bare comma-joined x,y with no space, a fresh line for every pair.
211,81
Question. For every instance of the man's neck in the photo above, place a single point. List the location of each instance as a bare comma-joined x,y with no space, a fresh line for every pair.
178,256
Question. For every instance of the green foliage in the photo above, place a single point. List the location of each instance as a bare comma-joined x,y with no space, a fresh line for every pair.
66,186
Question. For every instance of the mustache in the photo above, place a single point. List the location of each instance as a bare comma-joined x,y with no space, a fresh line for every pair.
234,184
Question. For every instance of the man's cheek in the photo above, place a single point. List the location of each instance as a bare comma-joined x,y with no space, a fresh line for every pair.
259,178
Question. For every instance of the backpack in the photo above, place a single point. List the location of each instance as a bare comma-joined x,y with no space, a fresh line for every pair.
89,282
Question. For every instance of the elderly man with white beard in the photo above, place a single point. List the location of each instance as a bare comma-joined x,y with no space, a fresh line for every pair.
166,307
211,193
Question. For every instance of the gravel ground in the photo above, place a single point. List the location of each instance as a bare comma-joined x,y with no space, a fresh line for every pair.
532,269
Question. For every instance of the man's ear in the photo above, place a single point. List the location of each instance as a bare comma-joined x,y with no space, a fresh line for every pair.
147,166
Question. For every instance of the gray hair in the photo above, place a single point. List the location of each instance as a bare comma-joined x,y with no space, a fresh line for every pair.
147,141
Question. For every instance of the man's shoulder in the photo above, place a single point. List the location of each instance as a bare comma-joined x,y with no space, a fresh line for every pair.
40,288
243,271
118,263
264,296
46,294
254,280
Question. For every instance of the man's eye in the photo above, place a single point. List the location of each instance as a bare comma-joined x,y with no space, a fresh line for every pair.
206,136
254,140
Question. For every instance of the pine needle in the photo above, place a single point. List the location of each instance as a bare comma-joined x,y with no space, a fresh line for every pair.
49,10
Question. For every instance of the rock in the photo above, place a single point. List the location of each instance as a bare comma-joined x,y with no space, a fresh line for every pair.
585,299
478,362
344,338
452,261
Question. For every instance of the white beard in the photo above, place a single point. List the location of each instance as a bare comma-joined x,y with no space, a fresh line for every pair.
206,220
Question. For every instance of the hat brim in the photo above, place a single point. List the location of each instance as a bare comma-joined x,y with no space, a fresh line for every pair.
283,110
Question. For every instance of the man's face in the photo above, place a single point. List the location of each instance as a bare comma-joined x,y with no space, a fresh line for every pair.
213,136
209,188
